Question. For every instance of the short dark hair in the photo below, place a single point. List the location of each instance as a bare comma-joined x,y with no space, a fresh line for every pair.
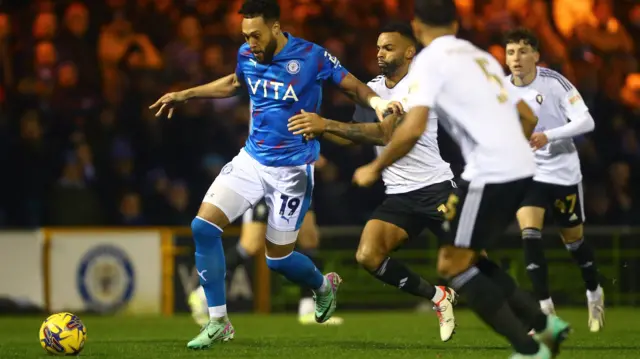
521,34
403,28
268,9
435,12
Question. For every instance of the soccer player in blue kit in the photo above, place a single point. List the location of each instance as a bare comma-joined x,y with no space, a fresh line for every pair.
283,76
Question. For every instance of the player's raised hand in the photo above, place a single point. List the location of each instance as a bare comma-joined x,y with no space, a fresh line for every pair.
168,102
308,124
538,140
366,176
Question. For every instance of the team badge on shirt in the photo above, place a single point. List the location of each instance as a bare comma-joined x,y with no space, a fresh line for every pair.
293,67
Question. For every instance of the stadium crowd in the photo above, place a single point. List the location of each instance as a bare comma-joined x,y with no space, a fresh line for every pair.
79,146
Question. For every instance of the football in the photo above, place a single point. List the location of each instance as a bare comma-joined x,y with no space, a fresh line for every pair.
63,334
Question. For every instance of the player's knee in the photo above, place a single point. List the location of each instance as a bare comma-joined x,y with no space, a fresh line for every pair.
278,256
572,235
530,217
453,261
369,258
204,233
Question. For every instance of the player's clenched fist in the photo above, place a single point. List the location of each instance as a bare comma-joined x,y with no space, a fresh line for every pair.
367,175
169,102
307,123
384,107
538,140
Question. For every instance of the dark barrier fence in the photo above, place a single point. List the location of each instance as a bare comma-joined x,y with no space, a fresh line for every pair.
617,253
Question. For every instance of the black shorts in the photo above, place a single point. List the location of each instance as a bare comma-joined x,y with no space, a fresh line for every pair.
478,214
416,210
564,202
260,213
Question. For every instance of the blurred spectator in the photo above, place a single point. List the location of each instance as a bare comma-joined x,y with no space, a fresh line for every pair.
72,203
32,167
182,57
77,77
45,27
623,197
78,45
630,94
130,210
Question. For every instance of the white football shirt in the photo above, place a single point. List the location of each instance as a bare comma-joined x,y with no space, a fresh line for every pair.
422,166
555,101
464,85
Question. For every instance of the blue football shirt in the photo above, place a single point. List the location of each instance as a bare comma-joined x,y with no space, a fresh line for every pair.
278,90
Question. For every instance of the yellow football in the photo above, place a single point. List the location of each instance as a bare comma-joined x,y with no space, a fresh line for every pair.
63,334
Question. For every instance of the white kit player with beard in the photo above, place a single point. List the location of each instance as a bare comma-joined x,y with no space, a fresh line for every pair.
417,185
557,185
423,165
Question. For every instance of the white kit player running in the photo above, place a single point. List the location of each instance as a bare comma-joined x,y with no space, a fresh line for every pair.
464,85
417,186
557,187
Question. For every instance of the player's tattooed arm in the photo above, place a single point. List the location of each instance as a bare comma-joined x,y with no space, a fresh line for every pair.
365,133
377,133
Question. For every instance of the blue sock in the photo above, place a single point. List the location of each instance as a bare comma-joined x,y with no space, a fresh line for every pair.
210,261
297,268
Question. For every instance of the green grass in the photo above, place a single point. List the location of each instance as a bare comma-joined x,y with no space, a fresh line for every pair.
363,336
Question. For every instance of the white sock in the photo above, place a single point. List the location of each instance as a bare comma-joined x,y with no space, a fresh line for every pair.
595,295
546,303
217,312
306,306
324,287
439,296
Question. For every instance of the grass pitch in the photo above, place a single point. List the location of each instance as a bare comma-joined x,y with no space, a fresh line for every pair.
363,336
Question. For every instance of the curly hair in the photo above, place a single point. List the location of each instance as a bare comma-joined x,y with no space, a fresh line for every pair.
268,9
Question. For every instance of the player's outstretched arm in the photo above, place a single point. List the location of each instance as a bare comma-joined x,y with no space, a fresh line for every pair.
527,118
227,86
364,95
377,133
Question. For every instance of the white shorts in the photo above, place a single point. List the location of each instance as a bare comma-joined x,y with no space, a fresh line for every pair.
286,190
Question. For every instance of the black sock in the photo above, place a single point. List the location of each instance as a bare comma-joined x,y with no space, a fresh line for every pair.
488,301
235,257
583,254
398,275
536,262
313,255
523,305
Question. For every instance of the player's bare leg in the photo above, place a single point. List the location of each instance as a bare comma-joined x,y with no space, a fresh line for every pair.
480,280
531,220
207,230
308,244
378,240
583,255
